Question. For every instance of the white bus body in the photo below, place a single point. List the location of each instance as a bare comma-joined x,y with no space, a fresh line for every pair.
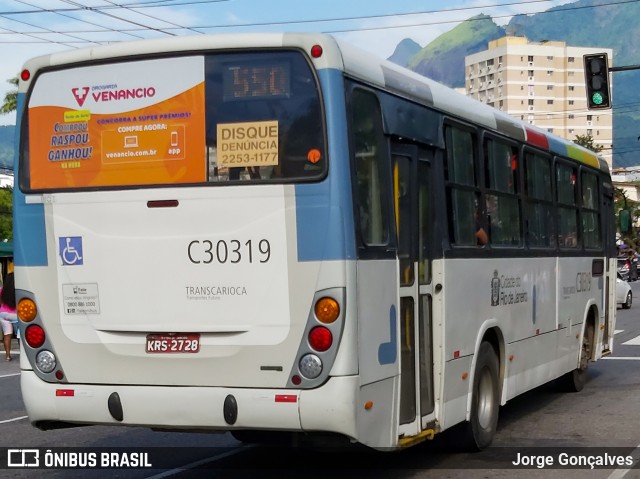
170,297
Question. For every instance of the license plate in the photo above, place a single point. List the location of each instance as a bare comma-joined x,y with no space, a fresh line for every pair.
173,343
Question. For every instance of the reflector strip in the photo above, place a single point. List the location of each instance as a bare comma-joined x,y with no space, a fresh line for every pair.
286,398
65,392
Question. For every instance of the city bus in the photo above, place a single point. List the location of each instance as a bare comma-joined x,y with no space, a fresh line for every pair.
275,235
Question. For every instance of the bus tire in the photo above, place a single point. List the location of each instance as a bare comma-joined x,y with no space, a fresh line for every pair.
485,402
575,380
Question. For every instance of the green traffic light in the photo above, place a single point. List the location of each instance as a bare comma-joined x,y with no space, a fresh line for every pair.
597,98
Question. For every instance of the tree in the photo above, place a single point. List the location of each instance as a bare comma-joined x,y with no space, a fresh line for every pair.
587,142
622,203
10,103
6,213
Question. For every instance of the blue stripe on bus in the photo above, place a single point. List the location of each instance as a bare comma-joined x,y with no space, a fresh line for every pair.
557,146
29,236
388,351
324,211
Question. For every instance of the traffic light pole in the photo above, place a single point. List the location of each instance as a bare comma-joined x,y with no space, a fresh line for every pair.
596,78
625,68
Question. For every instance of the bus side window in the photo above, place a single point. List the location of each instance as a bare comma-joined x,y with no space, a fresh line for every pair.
590,212
566,178
463,196
503,204
539,208
370,162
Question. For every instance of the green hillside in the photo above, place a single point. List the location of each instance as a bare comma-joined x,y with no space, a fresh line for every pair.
443,59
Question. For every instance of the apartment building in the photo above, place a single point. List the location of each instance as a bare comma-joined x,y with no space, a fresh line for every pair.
541,83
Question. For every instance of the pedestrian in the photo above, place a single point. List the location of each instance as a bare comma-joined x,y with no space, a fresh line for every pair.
633,266
8,312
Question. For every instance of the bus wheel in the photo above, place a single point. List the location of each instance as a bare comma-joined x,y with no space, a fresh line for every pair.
575,380
485,403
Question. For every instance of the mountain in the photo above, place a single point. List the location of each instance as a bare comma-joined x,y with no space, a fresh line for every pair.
584,23
404,52
443,59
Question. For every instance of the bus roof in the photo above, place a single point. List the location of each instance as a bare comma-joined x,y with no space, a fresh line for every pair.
403,81
355,62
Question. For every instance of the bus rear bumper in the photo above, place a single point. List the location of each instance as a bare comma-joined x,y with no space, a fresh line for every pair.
189,408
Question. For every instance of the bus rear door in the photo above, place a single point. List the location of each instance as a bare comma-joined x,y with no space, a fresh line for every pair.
413,215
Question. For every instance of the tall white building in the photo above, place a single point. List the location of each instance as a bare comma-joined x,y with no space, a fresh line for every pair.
541,83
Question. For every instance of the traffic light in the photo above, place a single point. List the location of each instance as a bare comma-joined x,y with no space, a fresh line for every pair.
596,75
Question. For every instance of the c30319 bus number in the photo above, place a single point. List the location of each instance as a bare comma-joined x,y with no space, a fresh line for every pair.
229,251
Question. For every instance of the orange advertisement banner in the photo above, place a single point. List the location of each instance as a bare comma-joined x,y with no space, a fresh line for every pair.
163,143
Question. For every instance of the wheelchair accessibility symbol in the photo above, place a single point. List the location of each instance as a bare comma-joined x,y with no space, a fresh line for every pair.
70,250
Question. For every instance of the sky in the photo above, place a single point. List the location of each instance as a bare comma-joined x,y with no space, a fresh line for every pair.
30,28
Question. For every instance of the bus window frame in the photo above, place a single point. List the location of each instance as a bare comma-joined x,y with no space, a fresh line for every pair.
476,189
584,170
575,166
528,199
517,195
23,153
388,249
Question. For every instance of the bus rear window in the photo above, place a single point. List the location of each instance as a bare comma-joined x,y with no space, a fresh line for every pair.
264,118
215,118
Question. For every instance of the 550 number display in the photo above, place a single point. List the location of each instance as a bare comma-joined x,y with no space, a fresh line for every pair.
229,251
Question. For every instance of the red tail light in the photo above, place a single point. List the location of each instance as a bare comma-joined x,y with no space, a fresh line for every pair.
320,338
34,336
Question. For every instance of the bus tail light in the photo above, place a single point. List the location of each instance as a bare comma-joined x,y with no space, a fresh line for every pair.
320,338
46,361
34,336
310,366
39,351
327,310
319,342
27,310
